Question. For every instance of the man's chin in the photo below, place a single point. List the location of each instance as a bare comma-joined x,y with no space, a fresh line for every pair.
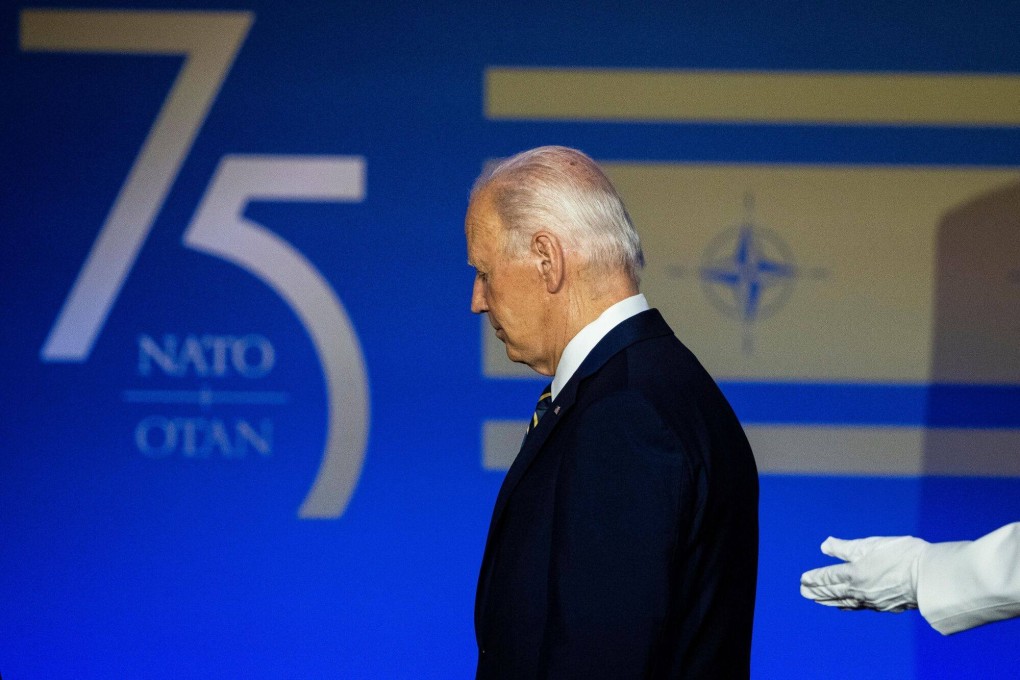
513,355
519,358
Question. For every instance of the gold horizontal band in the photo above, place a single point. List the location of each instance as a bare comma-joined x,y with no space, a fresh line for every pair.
840,98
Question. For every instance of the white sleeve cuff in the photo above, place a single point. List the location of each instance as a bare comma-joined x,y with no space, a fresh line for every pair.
968,583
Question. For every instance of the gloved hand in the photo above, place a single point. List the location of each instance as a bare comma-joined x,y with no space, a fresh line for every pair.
879,573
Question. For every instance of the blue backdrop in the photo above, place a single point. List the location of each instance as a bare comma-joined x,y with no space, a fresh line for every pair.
194,483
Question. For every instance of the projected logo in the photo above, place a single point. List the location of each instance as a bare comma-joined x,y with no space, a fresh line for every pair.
209,42
749,273
206,358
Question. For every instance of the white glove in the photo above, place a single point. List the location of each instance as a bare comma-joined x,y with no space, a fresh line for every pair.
879,573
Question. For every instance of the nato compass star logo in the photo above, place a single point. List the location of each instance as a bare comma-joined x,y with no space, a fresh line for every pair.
748,273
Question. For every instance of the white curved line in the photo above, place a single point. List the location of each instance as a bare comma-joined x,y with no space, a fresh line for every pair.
220,230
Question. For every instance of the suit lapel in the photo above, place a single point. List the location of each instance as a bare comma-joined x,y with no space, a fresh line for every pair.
647,324
529,450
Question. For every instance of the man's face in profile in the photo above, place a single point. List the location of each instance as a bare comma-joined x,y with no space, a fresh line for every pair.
509,289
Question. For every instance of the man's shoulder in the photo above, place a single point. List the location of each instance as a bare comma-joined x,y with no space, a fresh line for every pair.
663,374
639,336
642,357
650,364
653,375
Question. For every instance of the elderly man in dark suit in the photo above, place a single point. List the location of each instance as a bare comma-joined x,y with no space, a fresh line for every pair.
624,539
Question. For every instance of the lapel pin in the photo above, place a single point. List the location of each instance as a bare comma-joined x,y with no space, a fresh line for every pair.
556,411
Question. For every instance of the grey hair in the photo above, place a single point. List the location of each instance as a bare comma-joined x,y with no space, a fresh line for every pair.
563,191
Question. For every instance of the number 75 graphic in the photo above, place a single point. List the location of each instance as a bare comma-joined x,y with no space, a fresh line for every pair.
209,42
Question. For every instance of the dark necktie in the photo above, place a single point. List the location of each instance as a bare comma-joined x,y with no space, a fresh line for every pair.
541,407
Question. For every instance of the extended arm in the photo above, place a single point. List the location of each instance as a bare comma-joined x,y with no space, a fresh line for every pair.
956,585
878,573
963,585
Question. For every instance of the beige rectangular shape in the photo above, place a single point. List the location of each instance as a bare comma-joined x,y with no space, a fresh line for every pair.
968,452
501,441
836,451
809,97
839,286
885,451
825,450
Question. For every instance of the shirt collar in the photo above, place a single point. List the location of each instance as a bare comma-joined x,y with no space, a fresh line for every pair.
584,342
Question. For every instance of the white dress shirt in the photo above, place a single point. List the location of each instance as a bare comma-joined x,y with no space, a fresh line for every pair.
584,342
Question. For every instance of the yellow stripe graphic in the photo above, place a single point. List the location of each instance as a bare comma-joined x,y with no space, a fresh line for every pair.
863,273
839,98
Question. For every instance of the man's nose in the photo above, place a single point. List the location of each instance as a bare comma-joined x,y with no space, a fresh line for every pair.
478,302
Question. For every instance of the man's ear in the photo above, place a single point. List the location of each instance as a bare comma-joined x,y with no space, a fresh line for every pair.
550,259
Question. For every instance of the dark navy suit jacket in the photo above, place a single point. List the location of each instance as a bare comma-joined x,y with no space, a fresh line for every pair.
624,540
